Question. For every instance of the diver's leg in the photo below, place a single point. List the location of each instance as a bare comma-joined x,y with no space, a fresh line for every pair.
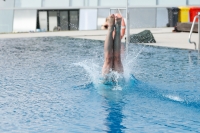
117,64
108,46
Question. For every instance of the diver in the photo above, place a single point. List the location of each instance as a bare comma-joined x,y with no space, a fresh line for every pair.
112,46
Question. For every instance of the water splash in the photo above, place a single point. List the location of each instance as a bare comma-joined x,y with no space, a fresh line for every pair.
129,61
92,68
94,72
174,98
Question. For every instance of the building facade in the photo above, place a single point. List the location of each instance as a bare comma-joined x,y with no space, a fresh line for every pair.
51,15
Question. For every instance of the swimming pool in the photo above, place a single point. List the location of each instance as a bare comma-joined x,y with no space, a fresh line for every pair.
47,85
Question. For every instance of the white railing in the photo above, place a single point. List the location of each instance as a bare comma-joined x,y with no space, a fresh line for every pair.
127,27
191,30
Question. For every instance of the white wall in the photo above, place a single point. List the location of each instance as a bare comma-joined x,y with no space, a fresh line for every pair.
55,3
6,4
194,2
171,2
28,3
88,19
142,2
91,2
77,2
142,17
106,3
162,17
6,21
25,22
113,3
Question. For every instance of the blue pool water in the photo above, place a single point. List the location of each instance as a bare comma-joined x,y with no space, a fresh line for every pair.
52,85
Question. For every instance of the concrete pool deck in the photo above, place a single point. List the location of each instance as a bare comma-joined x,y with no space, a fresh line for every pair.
163,36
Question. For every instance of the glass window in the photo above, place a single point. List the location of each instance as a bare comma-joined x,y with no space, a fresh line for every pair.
25,22
194,2
112,3
171,2
142,2
28,3
55,3
53,21
64,22
73,20
77,2
6,21
6,3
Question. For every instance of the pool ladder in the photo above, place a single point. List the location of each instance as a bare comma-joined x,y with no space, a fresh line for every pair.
191,30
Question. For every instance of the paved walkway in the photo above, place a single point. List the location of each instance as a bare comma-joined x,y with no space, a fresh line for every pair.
163,36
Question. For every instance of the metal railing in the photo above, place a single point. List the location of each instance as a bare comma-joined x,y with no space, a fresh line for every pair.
191,30
127,26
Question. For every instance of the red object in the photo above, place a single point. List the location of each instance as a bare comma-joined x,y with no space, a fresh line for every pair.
193,12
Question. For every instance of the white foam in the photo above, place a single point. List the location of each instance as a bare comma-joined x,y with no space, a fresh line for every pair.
117,88
174,98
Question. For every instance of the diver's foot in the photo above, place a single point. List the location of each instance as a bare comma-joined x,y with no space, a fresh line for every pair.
111,22
118,21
